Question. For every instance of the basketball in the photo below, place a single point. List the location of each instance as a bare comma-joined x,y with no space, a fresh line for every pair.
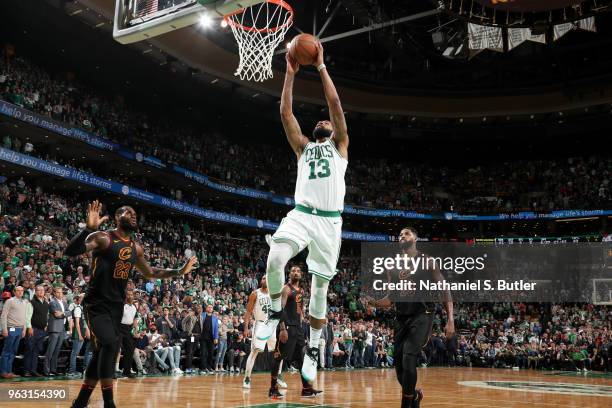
303,49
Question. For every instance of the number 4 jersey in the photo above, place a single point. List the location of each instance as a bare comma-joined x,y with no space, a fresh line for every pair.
320,178
263,305
110,270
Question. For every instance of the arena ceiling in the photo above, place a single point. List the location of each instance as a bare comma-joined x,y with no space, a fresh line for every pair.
398,70
530,5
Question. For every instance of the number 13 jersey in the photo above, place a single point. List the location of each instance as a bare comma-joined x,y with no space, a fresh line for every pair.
320,177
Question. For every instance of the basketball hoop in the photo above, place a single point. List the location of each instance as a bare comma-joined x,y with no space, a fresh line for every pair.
258,30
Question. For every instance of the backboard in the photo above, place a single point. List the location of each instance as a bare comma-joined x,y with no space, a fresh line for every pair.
137,20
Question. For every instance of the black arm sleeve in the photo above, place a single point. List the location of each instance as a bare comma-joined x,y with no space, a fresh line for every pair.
77,244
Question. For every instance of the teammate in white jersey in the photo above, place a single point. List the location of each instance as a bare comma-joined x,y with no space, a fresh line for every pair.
258,308
316,221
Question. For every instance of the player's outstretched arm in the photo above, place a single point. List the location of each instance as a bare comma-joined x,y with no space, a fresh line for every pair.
249,312
336,114
161,273
292,128
383,303
89,239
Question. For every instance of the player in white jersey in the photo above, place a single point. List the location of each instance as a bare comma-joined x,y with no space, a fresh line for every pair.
316,221
258,308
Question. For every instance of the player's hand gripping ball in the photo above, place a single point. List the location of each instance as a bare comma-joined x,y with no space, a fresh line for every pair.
303,49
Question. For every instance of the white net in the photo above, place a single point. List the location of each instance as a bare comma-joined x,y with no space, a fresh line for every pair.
258,30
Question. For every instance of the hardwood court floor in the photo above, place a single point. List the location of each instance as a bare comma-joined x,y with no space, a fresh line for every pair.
443,387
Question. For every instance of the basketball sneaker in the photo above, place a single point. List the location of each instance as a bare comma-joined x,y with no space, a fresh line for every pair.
309,366
265,331
275,393
246,383
280,382
310,392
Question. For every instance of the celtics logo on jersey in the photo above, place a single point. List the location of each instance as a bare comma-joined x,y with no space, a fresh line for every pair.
320,178
317,158
263,305
266,308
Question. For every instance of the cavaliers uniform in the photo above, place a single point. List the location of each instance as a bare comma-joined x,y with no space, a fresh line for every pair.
413,325
293,349
412,330
296,342
105,296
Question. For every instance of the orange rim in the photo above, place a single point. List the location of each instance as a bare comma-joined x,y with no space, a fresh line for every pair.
280,3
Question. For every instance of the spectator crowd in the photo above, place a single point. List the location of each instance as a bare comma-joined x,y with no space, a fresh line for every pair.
194,323
537,185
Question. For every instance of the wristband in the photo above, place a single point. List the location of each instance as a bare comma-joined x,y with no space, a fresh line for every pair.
321,67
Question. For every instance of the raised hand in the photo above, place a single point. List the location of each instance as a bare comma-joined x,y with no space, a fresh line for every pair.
292,66
320,57
93,216
189,265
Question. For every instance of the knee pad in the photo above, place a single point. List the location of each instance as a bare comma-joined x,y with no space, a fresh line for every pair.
318,298
280,253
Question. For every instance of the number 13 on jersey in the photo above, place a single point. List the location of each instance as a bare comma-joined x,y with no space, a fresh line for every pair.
322,165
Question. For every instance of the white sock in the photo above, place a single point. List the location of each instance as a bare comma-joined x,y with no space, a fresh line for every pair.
276,304
249,364
315,336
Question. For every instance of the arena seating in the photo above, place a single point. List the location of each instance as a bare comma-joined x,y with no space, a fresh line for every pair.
35,230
